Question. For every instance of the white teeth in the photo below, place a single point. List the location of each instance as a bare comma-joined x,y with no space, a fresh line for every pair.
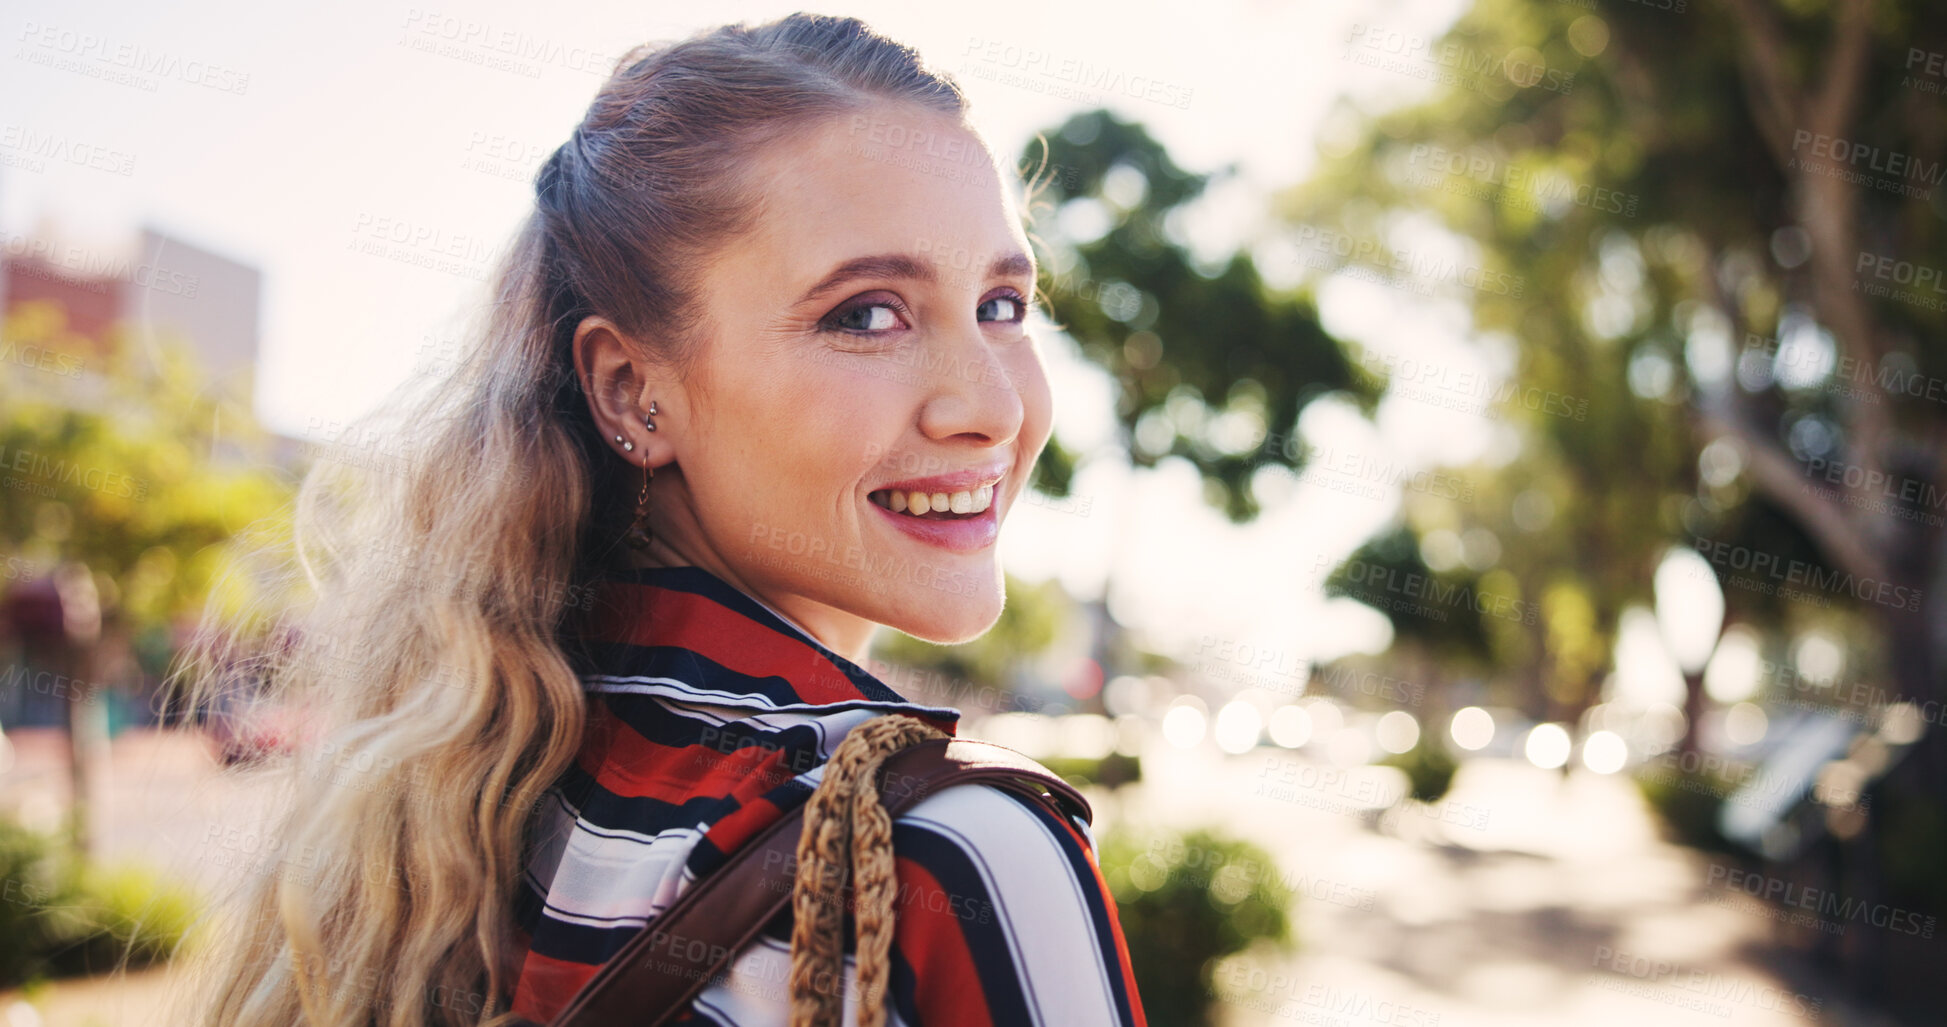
970,501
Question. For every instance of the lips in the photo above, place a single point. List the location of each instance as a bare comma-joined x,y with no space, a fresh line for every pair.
963,533
956,511
956,481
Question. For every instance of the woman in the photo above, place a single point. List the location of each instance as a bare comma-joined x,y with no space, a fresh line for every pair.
766,320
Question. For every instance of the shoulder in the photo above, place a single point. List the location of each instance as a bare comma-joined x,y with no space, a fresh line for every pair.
1000,858
999,897
992,820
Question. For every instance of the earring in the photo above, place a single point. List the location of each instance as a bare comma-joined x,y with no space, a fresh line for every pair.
639,531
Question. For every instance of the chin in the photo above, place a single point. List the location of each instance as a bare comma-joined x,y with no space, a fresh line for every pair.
944,618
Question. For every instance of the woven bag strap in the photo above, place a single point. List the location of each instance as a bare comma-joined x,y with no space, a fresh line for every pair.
684,948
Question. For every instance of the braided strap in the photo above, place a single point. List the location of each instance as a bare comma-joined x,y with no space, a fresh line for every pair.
845,818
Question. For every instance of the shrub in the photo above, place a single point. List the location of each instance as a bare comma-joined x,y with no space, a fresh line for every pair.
1428,769
29,882
1687,804
1185,902
1111,771
60,918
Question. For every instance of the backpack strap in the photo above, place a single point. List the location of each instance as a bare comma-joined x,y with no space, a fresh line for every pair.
680,951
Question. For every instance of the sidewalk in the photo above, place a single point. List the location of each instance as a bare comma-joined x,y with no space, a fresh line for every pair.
1525,900
161,802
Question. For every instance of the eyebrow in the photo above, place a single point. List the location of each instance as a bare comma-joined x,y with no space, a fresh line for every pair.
905,265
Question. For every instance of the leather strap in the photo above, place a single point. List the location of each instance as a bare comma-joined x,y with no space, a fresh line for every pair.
665,966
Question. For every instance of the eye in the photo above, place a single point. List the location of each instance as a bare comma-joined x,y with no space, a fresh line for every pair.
1008,306
865,315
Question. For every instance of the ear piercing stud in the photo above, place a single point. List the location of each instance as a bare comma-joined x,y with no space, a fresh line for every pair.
647,422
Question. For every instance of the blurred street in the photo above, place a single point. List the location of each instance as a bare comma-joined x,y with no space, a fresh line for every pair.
1532,899
162,804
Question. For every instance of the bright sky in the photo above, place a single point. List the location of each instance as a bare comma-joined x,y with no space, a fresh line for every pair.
340,119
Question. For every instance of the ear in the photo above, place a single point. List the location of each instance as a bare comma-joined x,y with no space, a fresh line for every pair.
620,380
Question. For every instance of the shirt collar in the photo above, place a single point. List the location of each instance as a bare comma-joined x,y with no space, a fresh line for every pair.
686,634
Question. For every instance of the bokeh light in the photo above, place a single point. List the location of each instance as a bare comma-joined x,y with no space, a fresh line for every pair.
1472,728
1548,746
1605,752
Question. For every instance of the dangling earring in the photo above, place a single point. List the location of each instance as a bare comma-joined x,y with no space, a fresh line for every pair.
639,531
638,537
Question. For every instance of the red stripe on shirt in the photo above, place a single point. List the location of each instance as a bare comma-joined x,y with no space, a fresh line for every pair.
637,768
547,985
929,938
730,833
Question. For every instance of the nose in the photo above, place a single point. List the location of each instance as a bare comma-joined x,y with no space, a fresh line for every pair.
971,392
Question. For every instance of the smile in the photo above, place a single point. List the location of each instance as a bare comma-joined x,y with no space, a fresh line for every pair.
970,531
935,505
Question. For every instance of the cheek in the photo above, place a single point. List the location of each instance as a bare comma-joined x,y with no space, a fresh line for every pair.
836,427
763,446
1037,396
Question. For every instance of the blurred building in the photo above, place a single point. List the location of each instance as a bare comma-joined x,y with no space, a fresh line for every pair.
153,288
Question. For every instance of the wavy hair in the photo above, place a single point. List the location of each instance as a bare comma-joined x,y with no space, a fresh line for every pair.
441,570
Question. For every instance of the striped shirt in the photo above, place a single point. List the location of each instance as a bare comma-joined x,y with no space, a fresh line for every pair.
711,716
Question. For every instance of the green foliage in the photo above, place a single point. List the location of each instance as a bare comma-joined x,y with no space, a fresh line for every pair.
1187,343
1185,902
140,470
28,881
1111,771
59,918
1429,770
1033,617
1389,568
1054,470
1688,805
1677,224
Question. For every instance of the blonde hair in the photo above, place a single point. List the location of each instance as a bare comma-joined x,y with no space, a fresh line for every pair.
435,636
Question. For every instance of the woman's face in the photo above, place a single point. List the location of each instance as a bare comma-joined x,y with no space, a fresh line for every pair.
868,349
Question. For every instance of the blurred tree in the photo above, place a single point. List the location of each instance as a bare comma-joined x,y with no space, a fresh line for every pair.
1707,241
1716,230
1212,364
1392,562
142,475
1698,268
131,478
1033,617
